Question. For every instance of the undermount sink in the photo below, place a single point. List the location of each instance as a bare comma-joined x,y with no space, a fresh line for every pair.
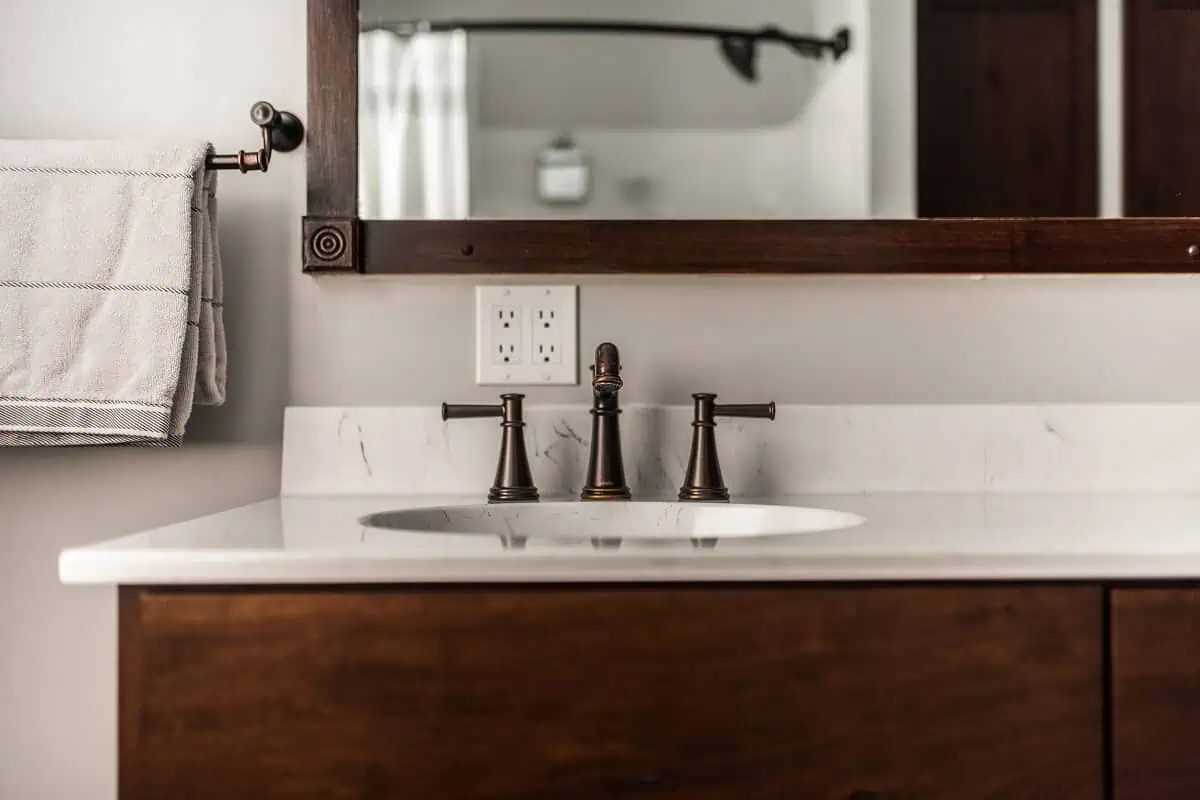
611,522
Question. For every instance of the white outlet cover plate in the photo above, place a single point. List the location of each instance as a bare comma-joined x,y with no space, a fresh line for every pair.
527,369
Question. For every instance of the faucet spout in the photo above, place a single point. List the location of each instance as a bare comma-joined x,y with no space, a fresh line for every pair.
606,466
606,372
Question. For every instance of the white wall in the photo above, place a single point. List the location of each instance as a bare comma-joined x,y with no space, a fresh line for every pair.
139,68
133,67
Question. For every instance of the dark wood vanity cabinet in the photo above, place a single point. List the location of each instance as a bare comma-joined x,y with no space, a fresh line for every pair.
1156,693
612,692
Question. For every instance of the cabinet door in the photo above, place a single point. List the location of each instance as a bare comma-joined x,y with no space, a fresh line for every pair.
1007,121
820,694
1156,693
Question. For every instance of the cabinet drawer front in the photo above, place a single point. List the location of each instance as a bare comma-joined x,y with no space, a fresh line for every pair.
1156,693
699,692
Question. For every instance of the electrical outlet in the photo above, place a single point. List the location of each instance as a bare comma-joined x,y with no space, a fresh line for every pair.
526,335
548,333
506,347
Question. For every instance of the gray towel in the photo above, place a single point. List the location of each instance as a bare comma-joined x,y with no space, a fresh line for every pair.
110,292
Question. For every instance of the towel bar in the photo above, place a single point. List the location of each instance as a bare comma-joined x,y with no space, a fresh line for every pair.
281,130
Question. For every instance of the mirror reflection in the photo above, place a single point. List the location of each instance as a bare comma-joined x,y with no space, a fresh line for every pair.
777,109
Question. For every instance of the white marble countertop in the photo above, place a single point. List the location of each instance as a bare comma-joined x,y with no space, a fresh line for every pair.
937,537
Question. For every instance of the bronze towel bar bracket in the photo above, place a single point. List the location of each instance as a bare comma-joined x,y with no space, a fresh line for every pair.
282,131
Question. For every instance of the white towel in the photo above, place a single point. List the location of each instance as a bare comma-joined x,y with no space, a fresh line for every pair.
110,292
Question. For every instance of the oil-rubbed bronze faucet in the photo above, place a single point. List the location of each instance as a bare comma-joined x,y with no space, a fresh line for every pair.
606,467
703,482
514,481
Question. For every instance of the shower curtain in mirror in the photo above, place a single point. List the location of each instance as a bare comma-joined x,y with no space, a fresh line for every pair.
414,158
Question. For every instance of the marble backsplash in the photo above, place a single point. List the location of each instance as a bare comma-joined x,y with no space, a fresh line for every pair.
807,449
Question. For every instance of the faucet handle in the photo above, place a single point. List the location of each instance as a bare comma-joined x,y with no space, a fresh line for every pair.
746,410
703,481
514,479
450,412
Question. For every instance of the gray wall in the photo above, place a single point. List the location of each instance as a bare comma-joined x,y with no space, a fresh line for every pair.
80,68
139,68
380,341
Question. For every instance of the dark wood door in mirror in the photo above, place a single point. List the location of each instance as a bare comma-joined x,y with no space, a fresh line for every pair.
1162,51
996,136
337,241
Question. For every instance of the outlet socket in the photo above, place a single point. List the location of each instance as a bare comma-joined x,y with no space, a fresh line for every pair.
526,335
506,346
548,333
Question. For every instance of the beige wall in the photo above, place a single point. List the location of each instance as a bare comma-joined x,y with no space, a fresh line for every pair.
81,68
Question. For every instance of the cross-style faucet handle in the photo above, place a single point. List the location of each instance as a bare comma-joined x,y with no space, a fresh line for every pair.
703,482
514,480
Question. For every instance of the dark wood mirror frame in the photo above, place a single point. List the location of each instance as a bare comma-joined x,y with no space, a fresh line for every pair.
336,241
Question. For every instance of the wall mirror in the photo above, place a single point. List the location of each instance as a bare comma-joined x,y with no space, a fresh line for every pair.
760,136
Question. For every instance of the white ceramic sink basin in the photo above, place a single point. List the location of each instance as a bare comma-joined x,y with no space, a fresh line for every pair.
610,522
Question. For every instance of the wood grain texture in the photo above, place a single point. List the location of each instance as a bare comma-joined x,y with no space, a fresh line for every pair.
1156,693
663,247
1007,121
330,244
1119,246
333,108
1162,108
932,693
930,247
129,687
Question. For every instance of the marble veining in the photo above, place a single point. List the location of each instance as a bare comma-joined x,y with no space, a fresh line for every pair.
808,449
942,492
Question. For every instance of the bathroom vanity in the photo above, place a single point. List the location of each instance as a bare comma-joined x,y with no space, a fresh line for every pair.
865,691
948,646
1027,629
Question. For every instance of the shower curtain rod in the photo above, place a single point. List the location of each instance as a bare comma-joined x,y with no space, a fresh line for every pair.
738,45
